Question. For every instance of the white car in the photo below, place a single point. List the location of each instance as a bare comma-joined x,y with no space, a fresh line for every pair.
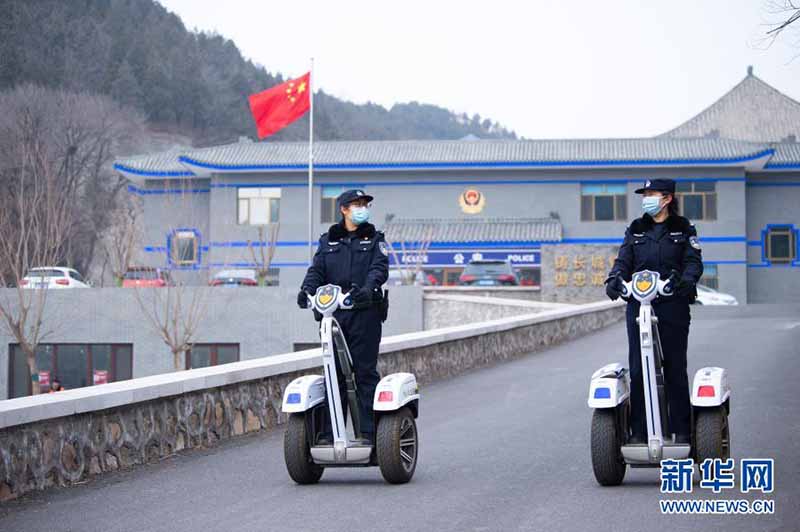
396,278
709,296
53,278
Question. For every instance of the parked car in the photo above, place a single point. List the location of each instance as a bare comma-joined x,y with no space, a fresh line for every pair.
709,296
146,276
488,273
53,278
241,277
420,278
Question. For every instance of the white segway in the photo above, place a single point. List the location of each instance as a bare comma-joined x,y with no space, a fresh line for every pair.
396,406
609,395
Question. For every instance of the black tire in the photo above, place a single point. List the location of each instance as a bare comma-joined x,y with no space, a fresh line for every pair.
297,453
607,462
711,434
397,446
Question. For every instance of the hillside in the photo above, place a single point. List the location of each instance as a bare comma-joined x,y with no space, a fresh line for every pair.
186,83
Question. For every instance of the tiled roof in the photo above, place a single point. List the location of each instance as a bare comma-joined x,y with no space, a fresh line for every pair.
751,111
165,164
266,156
473,230
787,155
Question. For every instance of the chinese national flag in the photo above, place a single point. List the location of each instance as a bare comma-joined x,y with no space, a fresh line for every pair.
276,108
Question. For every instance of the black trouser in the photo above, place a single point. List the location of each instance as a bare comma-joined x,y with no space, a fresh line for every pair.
362,331
673,328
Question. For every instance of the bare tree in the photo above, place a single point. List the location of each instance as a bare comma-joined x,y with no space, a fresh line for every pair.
78,134
413,253
262,251
33,221
122,240
174,312
781,18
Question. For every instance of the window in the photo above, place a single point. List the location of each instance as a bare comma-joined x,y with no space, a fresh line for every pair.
529,276
781,244
697,200
73,365
328,210
710,276
75,275
184,247
443,276
204,355
258,206
603,202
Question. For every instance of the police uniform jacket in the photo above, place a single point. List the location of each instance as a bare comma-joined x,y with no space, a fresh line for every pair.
346,259
676,247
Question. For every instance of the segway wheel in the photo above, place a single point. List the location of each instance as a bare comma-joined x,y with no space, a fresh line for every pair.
711,434
607,462
397,446
297,454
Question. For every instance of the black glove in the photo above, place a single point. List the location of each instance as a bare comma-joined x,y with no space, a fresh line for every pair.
614,287
362,297
302,299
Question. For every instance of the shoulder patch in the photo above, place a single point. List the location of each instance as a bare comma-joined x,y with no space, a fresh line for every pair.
694,242
384,247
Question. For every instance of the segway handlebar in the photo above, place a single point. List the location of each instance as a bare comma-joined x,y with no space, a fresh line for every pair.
344,301
644,280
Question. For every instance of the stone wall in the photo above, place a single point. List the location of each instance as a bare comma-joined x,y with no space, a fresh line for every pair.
65,438
574,273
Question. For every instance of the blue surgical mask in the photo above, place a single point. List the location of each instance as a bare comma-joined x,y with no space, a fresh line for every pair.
651,205
359,215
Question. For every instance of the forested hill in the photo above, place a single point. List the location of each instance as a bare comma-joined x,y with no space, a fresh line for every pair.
188,83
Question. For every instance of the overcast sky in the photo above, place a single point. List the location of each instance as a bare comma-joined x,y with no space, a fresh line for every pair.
546,69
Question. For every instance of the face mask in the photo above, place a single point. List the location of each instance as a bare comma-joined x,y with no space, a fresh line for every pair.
359,215
651,205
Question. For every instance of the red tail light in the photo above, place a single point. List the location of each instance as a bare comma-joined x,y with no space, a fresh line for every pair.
505,278
706,391
62,282
385,397
216,282
23,282
467,278
249,282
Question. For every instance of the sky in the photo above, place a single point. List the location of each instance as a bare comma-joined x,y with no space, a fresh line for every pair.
545,69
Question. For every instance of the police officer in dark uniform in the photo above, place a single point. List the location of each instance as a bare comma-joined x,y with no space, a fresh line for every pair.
665,242
353,255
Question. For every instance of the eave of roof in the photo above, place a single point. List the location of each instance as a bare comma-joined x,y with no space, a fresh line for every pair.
449,155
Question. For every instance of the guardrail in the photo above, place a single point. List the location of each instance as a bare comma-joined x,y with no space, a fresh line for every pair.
63,438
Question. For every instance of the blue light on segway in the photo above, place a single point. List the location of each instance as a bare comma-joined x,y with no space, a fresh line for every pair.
293,398
602,393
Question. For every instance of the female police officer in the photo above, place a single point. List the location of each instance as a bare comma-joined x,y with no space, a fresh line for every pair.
353,255
664,242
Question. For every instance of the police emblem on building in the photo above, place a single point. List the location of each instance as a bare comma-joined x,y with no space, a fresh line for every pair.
471,201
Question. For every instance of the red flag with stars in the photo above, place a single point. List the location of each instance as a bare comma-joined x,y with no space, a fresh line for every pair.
276,108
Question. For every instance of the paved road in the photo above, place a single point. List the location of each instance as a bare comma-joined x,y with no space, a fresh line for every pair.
504,448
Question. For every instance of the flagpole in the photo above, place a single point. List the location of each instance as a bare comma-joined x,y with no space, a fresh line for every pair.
311,165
